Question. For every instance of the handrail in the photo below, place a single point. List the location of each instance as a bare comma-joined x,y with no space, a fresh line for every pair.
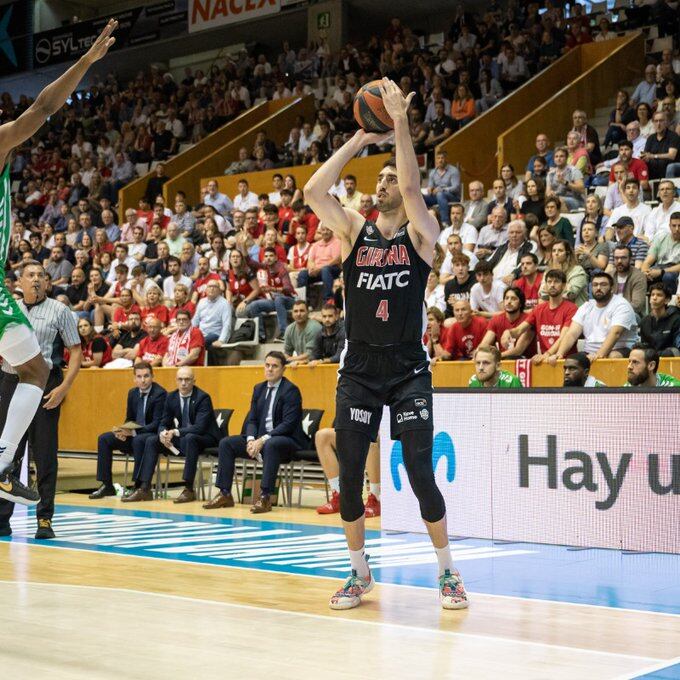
132,192
278,125
474,148
605,70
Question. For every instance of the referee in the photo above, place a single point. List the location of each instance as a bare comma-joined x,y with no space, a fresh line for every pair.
55,327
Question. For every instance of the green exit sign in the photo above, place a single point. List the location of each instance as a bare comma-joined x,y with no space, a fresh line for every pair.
323,20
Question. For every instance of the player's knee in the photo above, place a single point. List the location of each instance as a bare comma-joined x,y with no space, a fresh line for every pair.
324,437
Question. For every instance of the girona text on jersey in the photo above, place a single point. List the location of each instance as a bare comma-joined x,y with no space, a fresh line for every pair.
382,257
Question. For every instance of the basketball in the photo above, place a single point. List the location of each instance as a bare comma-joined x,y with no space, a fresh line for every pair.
369,110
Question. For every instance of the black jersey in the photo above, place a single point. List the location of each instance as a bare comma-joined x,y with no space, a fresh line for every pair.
384,289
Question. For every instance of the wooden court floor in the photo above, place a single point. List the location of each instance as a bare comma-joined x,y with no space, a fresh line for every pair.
76,614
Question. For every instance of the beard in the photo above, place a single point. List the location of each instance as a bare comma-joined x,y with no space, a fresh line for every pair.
638,379
388,203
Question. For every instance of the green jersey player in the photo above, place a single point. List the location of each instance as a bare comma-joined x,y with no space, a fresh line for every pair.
18,343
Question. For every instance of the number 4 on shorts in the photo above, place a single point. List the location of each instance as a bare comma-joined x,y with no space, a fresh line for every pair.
383,311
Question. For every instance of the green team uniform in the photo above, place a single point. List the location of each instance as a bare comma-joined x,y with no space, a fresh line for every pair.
663,380
505,380
10,314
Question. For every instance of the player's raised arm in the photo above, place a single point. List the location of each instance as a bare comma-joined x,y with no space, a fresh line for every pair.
344,222
424,224
52,98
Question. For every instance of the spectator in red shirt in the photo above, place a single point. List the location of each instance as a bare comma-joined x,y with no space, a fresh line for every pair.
153,347
252,224
368,209
530,281
186,346
635,167
306,217
276,291
437,336
181,303
201,277
270,240
122,311
96,350
466,334
242,286
286,214
298,254
549,320
154,306
512,315
323,264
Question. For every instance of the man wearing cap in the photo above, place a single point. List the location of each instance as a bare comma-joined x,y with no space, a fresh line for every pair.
624,228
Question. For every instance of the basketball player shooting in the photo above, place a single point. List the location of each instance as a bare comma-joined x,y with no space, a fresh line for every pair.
18,343
385,268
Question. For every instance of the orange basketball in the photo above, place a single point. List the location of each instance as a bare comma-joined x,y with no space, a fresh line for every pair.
369,110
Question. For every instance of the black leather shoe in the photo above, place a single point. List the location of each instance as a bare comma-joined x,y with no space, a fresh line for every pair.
5,530
102,492
45,530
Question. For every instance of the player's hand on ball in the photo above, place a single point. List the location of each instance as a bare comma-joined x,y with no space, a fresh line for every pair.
379,138
393,99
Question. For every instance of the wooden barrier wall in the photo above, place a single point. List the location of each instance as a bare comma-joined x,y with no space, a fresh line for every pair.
365,169
608,66
131,193
475,147
214,161
97,399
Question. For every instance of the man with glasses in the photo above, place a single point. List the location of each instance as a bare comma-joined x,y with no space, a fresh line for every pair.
661,149
624,228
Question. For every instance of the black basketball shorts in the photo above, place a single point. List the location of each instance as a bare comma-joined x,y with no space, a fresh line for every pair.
374,376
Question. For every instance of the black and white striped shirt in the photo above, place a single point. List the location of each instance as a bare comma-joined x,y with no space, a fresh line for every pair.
55,327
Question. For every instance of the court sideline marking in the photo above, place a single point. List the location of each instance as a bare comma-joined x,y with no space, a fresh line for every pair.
333,617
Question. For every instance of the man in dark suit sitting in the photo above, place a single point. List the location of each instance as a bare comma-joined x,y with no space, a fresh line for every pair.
144,406
273,430
187,427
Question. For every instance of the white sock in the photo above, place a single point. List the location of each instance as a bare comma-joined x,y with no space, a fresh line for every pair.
334,483
444,559
359,563
22,408
375,489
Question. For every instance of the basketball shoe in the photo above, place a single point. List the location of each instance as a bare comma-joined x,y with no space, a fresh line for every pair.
332,507
372,507
13,490
452,591
349,596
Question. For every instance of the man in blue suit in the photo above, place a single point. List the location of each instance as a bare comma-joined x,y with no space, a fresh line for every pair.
144,406
187,427
273,430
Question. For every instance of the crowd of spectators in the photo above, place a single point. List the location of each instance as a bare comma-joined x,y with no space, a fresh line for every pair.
164,284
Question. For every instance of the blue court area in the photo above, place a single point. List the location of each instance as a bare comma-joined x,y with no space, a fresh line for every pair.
607,578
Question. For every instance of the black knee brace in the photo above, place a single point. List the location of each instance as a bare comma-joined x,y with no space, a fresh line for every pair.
352,449
417,451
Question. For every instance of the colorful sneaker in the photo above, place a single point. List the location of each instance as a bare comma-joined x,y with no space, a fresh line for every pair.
332,507
11,489
452,591
372,507
349,596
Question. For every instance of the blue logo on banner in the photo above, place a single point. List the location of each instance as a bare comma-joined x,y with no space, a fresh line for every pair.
443,448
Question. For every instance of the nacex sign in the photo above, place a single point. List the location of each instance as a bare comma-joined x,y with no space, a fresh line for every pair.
204,14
